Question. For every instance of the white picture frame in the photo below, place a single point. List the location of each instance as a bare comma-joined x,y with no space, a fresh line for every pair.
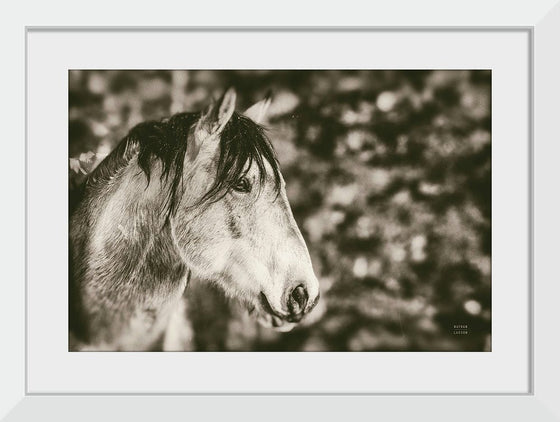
537,403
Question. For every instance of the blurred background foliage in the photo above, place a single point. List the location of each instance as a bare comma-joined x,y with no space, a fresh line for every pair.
389,177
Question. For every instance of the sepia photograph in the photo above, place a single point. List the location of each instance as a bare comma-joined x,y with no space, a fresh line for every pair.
279,210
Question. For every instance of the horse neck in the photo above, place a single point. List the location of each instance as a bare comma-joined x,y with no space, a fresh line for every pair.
132,242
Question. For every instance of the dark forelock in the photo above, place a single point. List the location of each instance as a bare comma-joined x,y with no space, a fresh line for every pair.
242,143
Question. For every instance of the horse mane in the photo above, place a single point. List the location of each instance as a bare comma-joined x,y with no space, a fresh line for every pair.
242,142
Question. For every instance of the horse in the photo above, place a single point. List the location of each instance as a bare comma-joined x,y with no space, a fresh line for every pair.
196,195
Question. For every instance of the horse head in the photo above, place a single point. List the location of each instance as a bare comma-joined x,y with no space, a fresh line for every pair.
234,225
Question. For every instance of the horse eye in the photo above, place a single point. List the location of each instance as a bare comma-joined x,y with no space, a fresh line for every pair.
243,185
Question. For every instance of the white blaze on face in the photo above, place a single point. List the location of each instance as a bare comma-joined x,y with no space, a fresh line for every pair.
281,247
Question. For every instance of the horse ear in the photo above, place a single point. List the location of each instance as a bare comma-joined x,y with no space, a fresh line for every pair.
215,118
257,112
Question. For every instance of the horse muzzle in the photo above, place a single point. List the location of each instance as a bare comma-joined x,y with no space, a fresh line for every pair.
296,303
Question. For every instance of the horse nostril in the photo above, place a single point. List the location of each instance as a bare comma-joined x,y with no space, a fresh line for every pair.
298,300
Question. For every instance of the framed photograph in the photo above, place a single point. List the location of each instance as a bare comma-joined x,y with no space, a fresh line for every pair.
277,211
